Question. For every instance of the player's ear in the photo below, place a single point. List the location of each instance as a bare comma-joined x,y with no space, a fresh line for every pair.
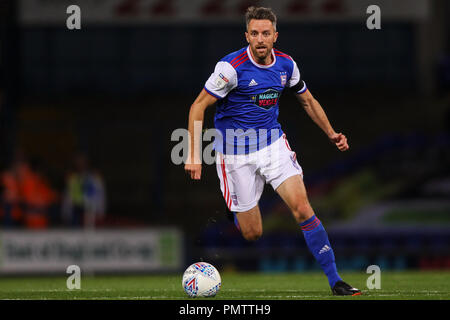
275,37
246,37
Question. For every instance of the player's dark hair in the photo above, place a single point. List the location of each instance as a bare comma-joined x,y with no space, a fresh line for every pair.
260,13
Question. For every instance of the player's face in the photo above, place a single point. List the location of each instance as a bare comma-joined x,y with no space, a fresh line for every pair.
261,36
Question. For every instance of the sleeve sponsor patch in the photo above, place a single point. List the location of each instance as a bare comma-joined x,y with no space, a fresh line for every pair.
221,81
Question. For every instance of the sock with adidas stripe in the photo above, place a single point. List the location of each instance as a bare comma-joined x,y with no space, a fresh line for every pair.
317,241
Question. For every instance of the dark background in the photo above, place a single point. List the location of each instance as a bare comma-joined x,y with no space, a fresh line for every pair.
116,92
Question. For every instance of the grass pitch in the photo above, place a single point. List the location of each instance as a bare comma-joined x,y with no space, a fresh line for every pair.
239,286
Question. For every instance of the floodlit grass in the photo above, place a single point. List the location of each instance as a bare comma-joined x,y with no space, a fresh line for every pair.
247,286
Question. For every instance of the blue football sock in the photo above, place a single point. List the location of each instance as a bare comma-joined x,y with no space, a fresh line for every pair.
317,240
236,222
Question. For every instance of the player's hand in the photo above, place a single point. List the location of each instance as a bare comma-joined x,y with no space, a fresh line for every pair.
194,170
340,141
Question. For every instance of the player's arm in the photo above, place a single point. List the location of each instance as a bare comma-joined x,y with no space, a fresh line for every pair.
221,81
193,164
317,114
314,109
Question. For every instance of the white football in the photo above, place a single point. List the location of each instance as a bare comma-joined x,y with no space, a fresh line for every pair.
201,279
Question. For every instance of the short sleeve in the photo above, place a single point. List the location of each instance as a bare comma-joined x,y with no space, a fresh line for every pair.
296,83
222,80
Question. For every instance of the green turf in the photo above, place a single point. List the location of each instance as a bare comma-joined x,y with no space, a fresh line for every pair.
308,286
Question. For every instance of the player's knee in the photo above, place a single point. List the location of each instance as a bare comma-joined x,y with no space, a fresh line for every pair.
302,211
252,234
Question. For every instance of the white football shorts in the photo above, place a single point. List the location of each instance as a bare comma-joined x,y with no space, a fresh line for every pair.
242,177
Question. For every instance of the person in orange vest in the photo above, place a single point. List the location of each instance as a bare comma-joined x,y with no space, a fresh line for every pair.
27,195
38,196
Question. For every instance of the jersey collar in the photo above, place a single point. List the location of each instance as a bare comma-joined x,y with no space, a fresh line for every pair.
264,66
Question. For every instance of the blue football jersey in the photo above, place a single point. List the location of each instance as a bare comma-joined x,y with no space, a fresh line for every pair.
246,117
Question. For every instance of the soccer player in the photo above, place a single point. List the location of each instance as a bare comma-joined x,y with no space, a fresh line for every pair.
251,149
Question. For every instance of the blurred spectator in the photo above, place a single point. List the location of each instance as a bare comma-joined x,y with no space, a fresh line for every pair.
84,198
27,197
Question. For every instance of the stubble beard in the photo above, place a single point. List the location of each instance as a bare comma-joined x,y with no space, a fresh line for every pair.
261,57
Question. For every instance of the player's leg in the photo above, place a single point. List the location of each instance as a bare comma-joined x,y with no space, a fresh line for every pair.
250,223
241,187
293,192
286,177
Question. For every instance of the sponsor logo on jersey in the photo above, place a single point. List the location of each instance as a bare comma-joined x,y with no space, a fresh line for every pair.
253,83
267,99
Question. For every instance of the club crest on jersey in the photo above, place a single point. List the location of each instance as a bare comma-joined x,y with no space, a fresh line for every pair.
283,78
267,99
